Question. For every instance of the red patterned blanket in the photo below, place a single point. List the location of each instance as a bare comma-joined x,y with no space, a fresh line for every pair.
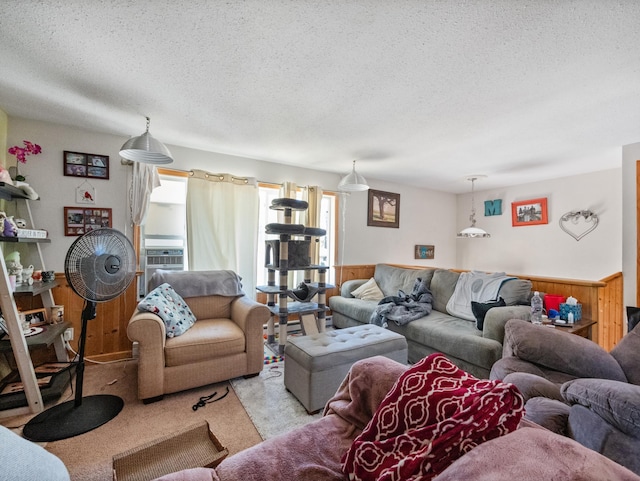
434,414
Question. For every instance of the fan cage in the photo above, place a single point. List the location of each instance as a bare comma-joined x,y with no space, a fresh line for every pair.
100,264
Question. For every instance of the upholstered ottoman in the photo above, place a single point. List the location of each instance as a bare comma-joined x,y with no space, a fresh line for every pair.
315,365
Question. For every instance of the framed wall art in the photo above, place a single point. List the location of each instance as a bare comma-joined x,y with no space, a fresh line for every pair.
529,212
78,164
425,252
78,220
384,209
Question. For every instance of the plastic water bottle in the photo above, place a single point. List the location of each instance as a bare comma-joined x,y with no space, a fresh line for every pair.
536,308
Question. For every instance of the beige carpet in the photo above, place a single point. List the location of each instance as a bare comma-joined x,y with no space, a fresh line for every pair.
88,457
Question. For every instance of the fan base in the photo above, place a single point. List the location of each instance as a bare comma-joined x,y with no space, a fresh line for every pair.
65,420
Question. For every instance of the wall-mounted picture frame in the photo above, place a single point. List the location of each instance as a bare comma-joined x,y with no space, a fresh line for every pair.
79,164
425,252
36,317
383,209
529,212
85,193
78,220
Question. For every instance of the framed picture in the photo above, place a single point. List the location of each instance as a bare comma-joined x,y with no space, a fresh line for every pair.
384,209
36,317
78,164
78,220
529,212
425,252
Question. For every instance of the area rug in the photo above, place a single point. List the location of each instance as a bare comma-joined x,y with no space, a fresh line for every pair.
272,409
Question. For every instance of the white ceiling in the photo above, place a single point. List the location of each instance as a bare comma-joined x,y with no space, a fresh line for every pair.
422,92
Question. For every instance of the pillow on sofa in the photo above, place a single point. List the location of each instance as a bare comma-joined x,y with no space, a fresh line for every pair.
516,292
434,414
480,310
167,304
369,291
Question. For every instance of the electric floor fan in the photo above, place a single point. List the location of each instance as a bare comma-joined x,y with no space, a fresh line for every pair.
99,266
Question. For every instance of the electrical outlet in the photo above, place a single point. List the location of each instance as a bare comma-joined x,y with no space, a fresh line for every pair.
68,334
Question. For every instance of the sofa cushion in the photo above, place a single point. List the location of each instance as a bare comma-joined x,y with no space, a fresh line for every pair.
558,350
516,292
443,284
548,413
615,402
480,310
206,339
167,304
369,291
626,353
391,279
432,404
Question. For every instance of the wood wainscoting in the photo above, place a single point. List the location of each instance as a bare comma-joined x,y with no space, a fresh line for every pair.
107,333
601,300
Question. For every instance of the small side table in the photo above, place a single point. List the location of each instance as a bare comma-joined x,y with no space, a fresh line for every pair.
581,328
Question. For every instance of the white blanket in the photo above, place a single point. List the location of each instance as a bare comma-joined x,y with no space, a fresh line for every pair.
474,286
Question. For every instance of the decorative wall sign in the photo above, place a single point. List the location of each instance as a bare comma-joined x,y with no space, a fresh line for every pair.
384,209
529,212
85,193
492,207
425,252
78,164
78,220
571,223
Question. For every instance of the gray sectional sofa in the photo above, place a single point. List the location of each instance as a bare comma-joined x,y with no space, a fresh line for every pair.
459,339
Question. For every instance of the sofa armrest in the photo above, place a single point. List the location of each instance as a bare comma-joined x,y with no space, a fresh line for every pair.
249,314
497,317
363,389
349,286
148,330
614,401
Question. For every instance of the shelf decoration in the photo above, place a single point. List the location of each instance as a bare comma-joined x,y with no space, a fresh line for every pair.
86,193
78,164
529,212
572,223
78,221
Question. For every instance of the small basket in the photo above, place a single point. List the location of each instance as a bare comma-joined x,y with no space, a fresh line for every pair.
193,447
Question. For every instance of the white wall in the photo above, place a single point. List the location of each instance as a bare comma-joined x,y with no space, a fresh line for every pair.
546,250
630,156
426,217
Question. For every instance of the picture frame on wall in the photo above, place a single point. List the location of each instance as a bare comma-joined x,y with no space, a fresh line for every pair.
79,220
424,252
383,209
529,212
79,164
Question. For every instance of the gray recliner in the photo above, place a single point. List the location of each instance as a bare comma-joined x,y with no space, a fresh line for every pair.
574,387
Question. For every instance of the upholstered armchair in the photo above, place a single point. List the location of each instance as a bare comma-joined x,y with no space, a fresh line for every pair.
223,338
574,387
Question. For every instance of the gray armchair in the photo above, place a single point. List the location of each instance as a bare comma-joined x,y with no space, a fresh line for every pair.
574,387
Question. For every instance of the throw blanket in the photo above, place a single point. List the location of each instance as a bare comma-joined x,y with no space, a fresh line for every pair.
199,283
434,414
403,308
474,286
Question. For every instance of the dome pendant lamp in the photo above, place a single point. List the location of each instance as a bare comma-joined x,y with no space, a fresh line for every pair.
473,231
146,149
353,182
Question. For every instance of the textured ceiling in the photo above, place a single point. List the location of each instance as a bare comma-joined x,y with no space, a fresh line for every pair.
422,92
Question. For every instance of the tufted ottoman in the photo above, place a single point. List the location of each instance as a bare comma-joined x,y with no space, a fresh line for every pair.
315,365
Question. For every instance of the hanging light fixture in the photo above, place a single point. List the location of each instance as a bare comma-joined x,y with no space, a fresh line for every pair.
353,182
473,231
145,148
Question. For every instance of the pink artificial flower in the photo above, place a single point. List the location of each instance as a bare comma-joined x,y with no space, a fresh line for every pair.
21,153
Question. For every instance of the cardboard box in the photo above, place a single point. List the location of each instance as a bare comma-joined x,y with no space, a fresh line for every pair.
565,309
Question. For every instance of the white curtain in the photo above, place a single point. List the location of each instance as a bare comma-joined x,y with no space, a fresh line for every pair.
313,195
145,178
222,224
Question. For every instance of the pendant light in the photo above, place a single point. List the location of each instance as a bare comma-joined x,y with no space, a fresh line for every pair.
473,231
353,182
146,149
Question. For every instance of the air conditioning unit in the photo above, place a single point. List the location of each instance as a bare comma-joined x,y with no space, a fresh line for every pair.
169,259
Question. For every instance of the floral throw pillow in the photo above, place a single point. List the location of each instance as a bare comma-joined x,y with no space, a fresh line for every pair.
434,414
167,304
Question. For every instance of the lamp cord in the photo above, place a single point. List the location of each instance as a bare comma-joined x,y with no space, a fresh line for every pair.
204,400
